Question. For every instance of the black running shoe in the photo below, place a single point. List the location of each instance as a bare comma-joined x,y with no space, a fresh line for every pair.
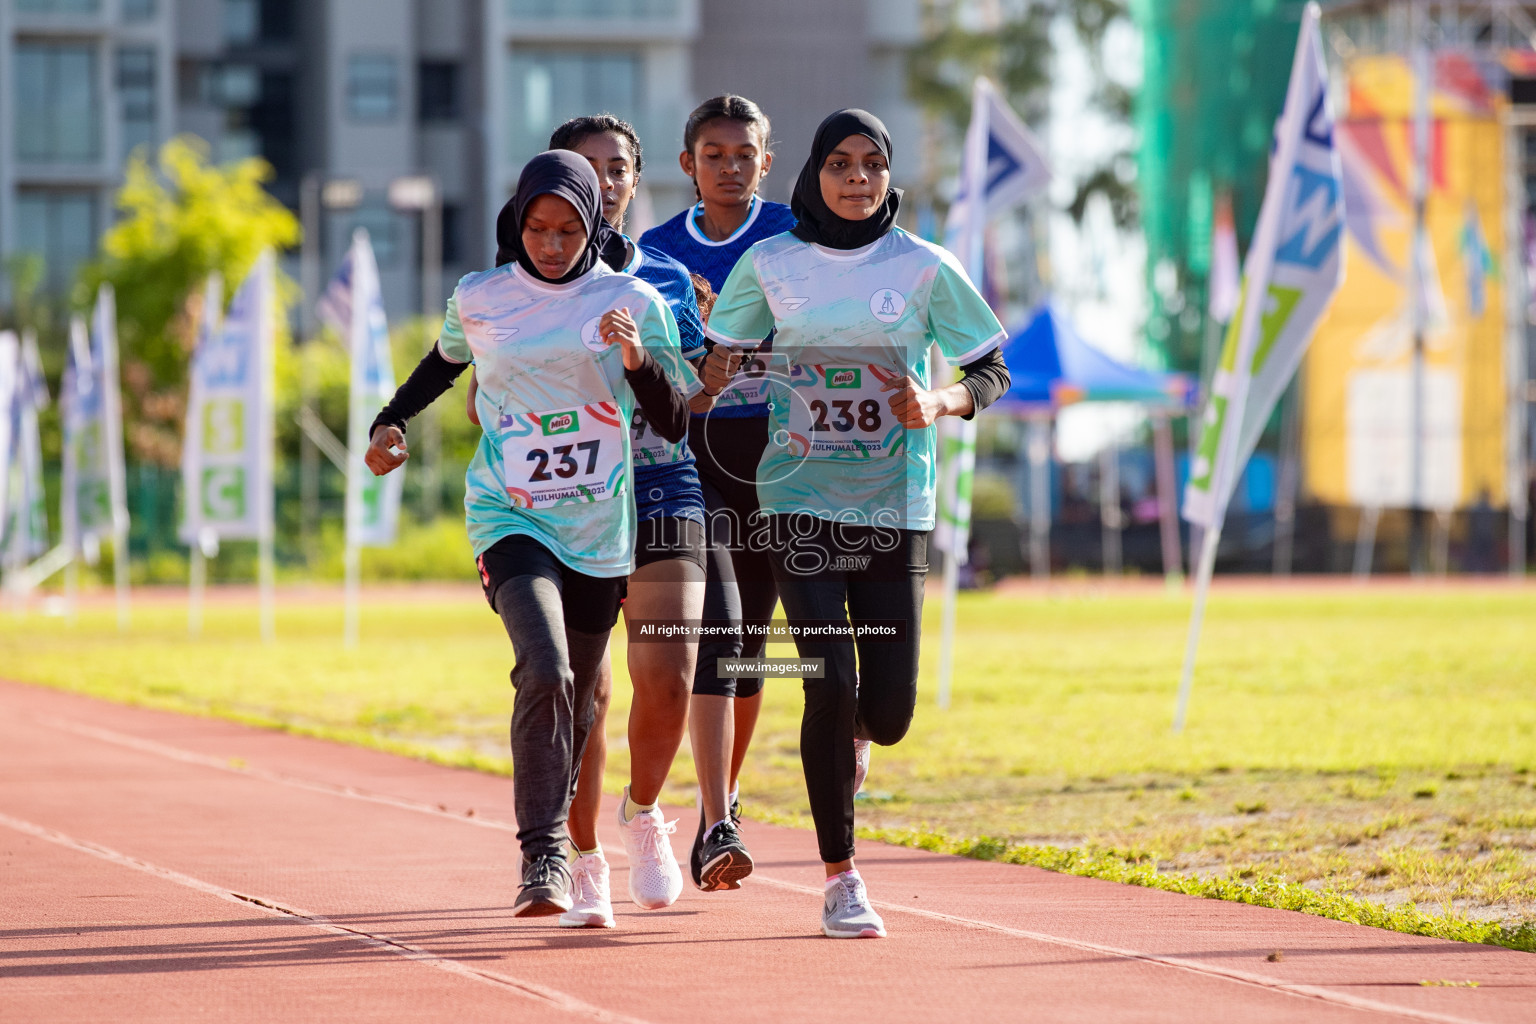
695,863
722,859
546,888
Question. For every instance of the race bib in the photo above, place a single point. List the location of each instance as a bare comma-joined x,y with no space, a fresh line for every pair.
750,385
647,447
566,456
840,412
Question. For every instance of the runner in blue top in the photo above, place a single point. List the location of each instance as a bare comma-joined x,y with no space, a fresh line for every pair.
847,481
726,153
565,348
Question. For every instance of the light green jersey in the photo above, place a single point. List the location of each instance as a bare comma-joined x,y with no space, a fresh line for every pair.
848,322
554,461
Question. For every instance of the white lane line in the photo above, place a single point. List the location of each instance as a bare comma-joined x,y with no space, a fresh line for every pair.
1230,974
1209,970
205,761
556,999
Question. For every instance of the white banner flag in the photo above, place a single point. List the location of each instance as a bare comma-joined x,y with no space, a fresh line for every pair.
373,502
957,474
104,358
1002,162
27,521
1294,266
88,481
227,456
1002,165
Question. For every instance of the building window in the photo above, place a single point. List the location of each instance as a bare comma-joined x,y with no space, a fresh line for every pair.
61,228
373,87
59,6
138,10
549,86
57,117
438,91
136,93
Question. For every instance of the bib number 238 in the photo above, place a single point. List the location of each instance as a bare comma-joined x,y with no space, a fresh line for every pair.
841,412
563,456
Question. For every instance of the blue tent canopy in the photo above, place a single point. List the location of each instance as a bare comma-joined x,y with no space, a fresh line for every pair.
1053,366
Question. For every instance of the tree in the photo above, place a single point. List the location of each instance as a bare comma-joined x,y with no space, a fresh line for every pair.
182,219
1013,48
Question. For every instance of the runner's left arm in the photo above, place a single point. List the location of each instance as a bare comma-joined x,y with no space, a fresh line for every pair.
664,382
739,321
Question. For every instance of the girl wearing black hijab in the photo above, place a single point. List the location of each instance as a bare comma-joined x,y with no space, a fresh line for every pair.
564,349
849,475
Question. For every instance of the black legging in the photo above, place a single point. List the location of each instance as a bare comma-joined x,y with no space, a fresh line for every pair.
871,696
739,583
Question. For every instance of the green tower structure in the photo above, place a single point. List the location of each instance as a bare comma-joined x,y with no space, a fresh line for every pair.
1215,74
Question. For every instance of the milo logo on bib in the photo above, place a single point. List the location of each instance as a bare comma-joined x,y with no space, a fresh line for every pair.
843,378
559,423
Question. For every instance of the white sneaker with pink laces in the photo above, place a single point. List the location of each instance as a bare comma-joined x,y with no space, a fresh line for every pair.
655,880
591,906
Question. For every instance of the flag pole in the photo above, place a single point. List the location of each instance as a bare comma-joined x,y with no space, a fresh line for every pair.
191,460
352,566
1203,572
197,581
356,446
947,643
266,344
1261,256
112,415
975,164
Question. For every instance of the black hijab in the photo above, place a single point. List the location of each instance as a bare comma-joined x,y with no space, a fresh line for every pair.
818,223
568,175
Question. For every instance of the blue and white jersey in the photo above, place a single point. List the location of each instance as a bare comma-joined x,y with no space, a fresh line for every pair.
682,239
670,278
847,323
554,457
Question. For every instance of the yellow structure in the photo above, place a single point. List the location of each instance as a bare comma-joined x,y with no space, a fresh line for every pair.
1357,392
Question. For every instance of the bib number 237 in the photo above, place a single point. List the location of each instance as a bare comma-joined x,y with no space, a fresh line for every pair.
563,456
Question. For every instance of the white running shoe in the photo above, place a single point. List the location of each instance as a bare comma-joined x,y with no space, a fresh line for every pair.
846,913
860,764
655,880
591,906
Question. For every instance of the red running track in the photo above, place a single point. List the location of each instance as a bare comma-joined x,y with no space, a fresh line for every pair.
155,867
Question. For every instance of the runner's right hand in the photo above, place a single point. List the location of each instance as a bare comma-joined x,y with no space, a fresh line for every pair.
379,458
720,366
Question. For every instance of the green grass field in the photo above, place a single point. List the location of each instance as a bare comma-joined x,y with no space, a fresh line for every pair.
1349,749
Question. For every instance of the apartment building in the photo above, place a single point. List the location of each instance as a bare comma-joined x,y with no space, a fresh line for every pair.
369,91
81,83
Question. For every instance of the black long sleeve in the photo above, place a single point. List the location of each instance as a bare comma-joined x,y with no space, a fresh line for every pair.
664,407
434,375
987,379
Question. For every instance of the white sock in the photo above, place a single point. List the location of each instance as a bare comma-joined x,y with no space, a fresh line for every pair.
848,875
717,824
730,797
